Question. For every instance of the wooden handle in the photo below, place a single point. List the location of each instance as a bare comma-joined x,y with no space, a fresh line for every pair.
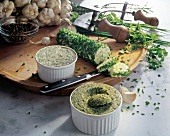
153,21
119,33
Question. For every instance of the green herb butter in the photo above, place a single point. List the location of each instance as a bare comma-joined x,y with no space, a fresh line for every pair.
56,56
96,98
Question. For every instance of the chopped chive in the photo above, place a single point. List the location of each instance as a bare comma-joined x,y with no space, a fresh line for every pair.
135,80
157,108
142,91
23,64
128,79
150,97
128,107
163,96
147,103
131,86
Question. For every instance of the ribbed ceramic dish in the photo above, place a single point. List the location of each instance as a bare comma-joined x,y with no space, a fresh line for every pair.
95,124
53,74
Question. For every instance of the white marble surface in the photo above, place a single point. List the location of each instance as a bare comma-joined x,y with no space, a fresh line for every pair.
26,114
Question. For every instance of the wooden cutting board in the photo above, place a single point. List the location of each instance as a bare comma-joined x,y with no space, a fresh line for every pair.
17,62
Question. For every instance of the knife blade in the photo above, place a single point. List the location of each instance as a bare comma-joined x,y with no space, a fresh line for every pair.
52,87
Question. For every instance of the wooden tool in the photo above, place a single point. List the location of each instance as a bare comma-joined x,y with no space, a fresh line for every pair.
119,33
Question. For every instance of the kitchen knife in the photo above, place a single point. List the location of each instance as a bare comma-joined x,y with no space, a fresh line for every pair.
52,87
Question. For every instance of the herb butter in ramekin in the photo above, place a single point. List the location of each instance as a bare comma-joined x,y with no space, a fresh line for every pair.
55,63
95,108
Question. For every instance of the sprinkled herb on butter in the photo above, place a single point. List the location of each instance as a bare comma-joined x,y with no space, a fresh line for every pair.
56,56
96,98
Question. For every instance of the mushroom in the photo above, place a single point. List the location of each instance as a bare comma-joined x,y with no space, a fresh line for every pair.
127,96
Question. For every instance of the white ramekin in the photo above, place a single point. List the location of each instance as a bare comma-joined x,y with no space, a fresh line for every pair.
95,124
53,74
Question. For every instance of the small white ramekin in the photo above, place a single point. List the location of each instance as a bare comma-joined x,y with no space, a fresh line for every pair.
95,124
53,74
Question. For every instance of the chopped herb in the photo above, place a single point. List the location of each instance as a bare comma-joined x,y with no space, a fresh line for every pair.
135,80
133,105
28,113
158,103
121,110
163,96
159,75
131,86
44,132
142,114
154,104
138,105
147,103
85,68
134,71
128,79
32,57
138,90
78,69
128,107
152,82
133,113
157,94
152,113
137,111
128,60
16,71
157,89
96,6
36,126
150,97
157,108
23,64
142,91
142,82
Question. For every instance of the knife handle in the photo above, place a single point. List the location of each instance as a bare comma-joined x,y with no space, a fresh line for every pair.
119,33
153,21
51,87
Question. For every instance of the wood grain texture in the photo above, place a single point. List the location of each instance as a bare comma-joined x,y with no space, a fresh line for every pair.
17,63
